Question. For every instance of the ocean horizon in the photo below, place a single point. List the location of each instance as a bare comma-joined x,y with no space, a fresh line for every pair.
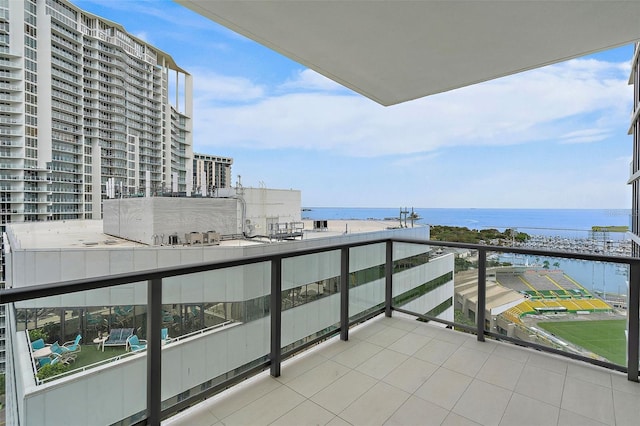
565,223
537,221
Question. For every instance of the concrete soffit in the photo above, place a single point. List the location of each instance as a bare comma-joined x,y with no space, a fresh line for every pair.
397,50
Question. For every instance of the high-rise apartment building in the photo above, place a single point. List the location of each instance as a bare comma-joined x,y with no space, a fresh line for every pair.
634,129
83,101
85,106
211,172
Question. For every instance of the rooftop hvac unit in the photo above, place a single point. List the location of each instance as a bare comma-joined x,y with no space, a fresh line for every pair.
193,238
213,237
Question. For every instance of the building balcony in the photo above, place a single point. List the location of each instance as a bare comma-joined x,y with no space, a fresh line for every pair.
399,371
497,366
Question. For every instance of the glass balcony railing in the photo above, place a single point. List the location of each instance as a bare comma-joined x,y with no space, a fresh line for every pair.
224,321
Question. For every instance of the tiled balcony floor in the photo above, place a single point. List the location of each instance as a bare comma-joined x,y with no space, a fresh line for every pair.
398,371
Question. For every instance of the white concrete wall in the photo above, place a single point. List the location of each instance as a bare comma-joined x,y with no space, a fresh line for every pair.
366,256
192,361
100,396
139,219
107,394
310,268
261,203
305,320
366,296
411,278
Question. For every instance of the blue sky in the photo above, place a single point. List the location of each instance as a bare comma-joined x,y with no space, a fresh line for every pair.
554,137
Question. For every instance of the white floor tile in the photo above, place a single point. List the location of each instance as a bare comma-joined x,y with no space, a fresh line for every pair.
454,419
548,362
444,388
436,351
314,380
501,371
417,411
466,361
265,410
242,395
295,367
387,336
409,344
626,407
338,395
541,384
588,373
305,414
589,400
358,353
197,416
375,406
483,403
411,374
568,418
525,411
382,363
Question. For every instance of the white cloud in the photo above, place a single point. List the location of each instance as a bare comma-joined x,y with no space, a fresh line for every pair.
585,136
214,89
308,79
577,101
414,160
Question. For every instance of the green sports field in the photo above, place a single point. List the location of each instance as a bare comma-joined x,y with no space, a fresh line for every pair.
605,338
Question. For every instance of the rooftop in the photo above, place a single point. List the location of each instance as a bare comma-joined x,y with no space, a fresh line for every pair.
398,371
85,234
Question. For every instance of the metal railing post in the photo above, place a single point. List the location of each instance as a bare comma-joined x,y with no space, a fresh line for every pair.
633,313
344,293
388,272
154,354
276,316
482,293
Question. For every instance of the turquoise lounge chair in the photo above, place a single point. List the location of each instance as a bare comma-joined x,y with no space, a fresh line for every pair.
63,358
72,346
53,360
37,344
57,349
135,344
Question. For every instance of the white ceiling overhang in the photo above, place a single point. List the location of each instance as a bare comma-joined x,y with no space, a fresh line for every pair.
396,50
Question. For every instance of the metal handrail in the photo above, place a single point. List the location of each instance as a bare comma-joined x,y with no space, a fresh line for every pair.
154,278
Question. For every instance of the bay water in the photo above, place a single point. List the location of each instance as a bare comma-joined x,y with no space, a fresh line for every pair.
598,277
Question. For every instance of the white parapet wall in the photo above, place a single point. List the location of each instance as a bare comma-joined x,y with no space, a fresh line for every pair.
153,220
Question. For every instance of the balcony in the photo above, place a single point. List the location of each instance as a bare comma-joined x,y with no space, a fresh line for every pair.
399,371
382,369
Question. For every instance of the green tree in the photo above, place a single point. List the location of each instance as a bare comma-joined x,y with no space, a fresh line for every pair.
38,333
461,264
52,370
545,264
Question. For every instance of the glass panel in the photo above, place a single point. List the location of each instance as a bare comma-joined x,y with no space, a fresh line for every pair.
423,280
366,280
66,337
217,326
310,297
572,305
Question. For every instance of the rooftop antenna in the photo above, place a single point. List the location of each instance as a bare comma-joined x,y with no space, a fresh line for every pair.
403,215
